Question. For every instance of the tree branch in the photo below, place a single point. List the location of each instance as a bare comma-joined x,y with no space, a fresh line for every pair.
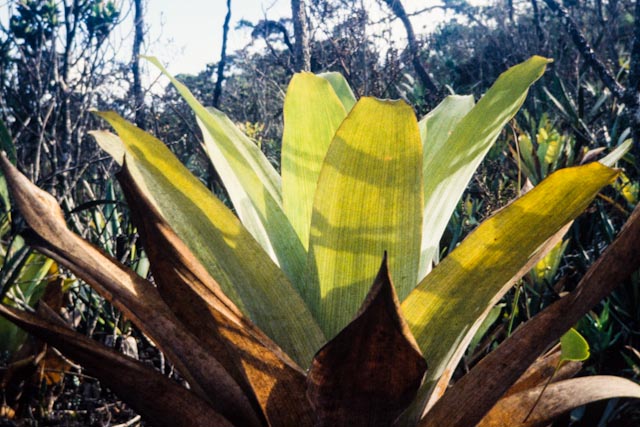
398,9
585,49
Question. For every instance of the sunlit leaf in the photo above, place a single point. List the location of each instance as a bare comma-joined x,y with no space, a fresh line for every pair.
446,305
341,88
369,200
370,372
437,126
453,164
137,298
618,261
612,158
433,388
312,114
253,184
216,237
435,130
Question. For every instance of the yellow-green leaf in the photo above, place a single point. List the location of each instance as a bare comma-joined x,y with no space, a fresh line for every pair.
342,89
252,183
447,303
437,126
546,269
368,200
573,347
453,164
28,287
312,114
217,238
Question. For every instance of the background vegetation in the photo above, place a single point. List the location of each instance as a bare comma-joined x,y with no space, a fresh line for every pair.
58,60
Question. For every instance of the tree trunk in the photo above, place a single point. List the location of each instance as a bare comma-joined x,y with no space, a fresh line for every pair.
136,89
217,91
302,53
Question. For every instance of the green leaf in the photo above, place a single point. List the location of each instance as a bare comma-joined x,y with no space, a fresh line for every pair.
137,298
28,287
444,307
573,347
454,162
368,200
486,324
618,261
234,259
253,184
312,114
257,364
435,129
342,89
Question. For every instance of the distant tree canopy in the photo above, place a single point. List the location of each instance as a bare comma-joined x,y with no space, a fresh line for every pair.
56,63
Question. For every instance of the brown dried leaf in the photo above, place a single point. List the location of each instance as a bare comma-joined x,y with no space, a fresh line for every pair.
557,399
138,299
544,368
160,400
500,369
370,372
34,360
247,353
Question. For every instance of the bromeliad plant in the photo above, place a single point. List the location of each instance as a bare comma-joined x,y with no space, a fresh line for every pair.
271,316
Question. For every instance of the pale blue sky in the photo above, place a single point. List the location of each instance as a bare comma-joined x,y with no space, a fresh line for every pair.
188,33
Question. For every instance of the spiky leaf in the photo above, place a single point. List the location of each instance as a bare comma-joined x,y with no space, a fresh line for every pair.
370,372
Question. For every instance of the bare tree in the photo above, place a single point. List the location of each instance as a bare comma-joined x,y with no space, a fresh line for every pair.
414,51
217,91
